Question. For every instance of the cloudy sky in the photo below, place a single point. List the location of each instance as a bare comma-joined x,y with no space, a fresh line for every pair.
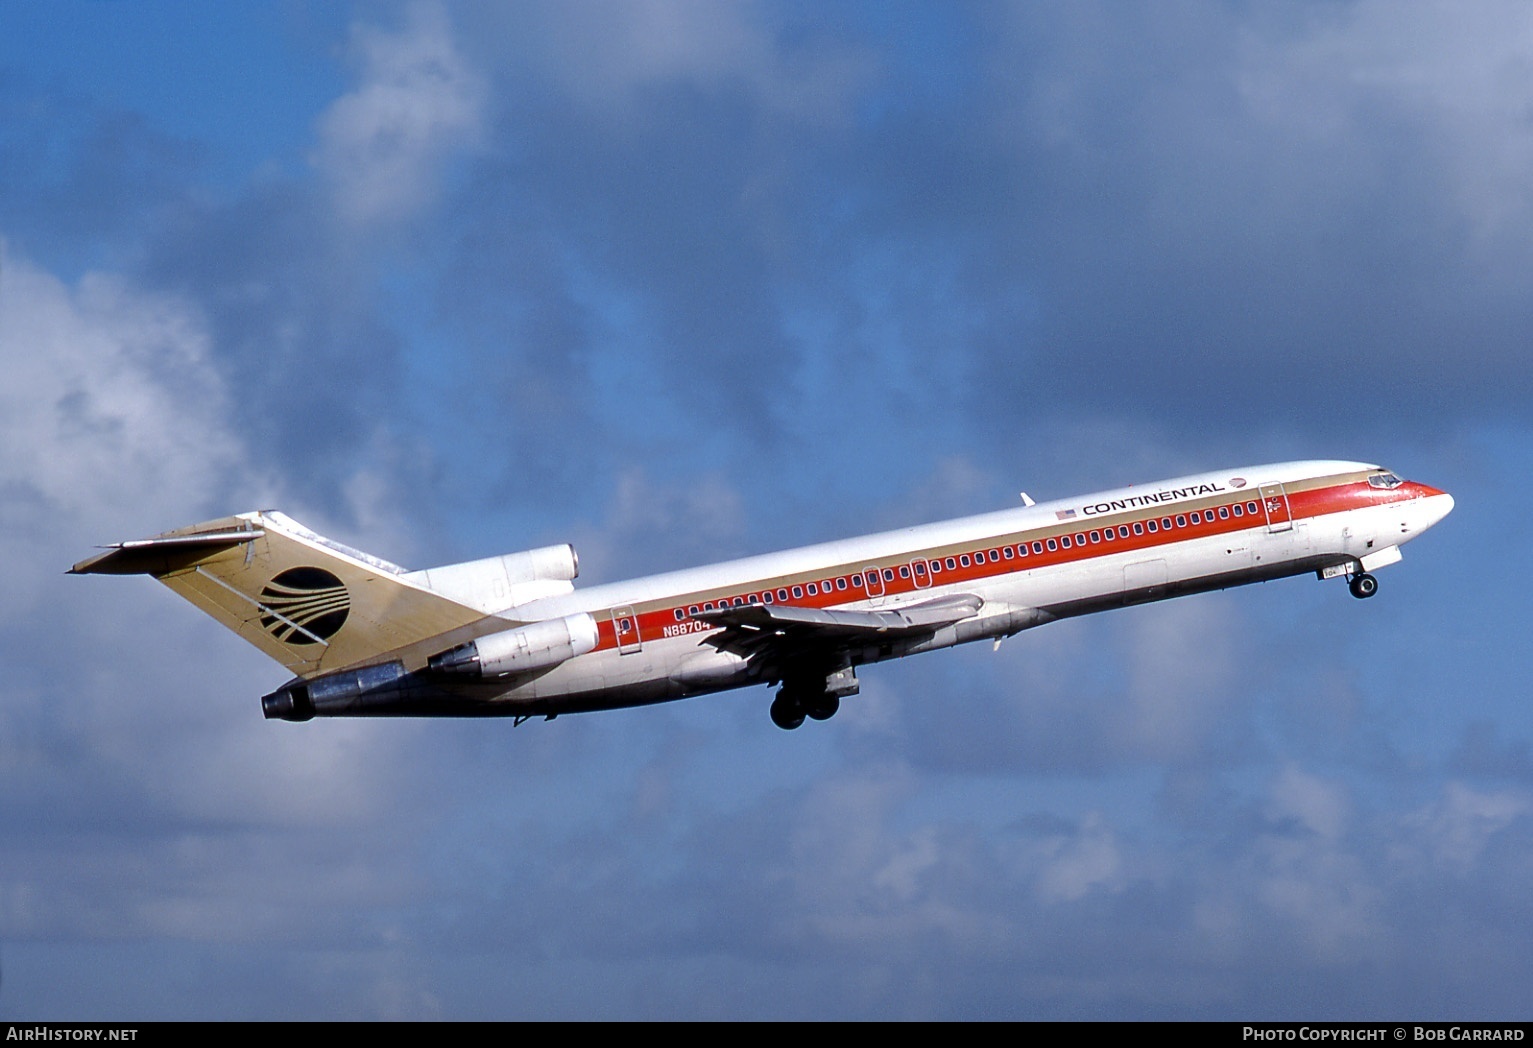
677,281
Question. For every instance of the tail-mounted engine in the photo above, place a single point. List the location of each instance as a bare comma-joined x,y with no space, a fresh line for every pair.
535,646
383,690
497,583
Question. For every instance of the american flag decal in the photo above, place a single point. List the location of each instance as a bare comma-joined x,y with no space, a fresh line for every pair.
1064,514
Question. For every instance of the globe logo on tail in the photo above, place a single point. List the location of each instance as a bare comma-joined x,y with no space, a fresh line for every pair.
304,606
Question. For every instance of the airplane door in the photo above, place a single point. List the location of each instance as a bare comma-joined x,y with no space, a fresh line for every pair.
874,580
1275,505
625,627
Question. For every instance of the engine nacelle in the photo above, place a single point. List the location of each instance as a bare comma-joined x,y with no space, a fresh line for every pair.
535,646
496,583
369,691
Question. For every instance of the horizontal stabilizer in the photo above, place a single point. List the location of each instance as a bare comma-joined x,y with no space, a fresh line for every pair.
164,553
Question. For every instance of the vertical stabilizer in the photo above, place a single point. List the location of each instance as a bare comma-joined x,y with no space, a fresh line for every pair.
311,604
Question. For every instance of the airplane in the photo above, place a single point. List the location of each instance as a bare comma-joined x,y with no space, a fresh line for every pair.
512,636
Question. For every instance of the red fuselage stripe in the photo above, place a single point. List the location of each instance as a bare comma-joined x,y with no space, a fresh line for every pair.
1302,506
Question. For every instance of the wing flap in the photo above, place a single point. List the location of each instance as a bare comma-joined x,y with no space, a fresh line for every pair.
839,623
776,637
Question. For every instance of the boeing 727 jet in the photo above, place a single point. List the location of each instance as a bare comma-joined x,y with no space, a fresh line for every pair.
512,636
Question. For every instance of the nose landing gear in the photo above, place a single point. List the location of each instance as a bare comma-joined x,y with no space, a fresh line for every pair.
1363,585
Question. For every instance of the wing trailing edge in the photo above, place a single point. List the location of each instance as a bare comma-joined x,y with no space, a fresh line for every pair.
829,622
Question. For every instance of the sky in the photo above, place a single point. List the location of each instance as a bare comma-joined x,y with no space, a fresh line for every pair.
681,281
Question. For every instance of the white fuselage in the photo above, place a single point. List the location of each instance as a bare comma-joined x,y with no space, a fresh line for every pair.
1027,566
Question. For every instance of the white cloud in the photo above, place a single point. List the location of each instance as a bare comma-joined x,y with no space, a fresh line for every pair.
1086,860
606,54
385,143
1452,832
1463,74
129,731
1298,798
112,416
687,523
1182,677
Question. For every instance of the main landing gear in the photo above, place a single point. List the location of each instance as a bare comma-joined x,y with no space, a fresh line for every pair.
816,697
1363,585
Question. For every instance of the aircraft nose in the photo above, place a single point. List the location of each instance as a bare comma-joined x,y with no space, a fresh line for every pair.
1438,504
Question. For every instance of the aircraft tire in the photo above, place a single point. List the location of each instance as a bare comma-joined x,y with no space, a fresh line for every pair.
786,711
822,706
1363,586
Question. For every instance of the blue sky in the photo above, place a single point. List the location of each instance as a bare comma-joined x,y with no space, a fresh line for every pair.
682,281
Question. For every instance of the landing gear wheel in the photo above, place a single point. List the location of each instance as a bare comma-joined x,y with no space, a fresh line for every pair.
822,706
1363,585
786,712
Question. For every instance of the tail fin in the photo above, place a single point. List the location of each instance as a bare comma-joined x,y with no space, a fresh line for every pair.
311,604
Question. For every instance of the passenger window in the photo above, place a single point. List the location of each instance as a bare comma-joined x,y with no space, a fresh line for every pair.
1195,517
857,581
1181,522
904,571
964,559
1064,542
1038,547
766,596
813,589
1224,513
888,574
1123,531
1080,538
798,592
920,568
1096,536
1053,545
1008,552
782,594
1152,526
1239,510
951,564
841,583
1165,523
1251,508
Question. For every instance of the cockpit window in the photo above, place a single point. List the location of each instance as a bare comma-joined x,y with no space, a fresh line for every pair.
1384,480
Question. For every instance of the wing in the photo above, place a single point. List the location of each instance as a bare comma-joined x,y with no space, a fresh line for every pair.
778,636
